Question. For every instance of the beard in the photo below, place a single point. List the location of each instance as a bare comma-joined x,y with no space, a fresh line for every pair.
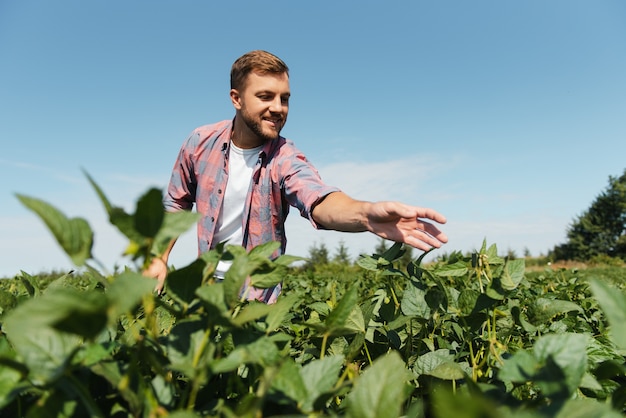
255,125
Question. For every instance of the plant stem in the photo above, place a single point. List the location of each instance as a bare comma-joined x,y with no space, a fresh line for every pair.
367,352
324,341
195,387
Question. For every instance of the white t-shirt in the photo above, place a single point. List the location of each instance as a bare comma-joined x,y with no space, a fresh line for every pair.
229,227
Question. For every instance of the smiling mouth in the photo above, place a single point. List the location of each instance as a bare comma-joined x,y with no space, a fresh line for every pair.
274,122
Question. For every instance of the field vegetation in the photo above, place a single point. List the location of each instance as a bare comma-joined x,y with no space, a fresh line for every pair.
467,335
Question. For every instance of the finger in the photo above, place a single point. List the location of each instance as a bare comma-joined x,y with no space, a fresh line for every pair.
417,212
422,243
434,232
426,238
431,214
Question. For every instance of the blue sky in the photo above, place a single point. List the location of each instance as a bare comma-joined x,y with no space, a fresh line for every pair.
508,117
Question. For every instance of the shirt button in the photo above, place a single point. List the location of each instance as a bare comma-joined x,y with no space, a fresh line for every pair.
212,219
219,191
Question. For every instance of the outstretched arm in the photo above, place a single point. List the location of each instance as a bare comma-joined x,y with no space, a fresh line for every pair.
390,220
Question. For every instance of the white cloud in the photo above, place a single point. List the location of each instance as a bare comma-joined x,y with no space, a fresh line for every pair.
45,170
399,179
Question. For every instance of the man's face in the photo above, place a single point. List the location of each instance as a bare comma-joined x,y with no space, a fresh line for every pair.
263,104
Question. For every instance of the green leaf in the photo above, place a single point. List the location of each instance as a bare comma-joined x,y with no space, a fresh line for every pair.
492,255
367,262
355,323
182,283
7,301
73,235
251,312
585,408
186,344
457,269
126,291
261,351
448,370
521,320
513,274
381,389
394,252
428,362
613,303
149,213
280,311
11,372
338,317
289,381
319,376
212,297
544,309
80,313
174,224
265,251
163,390
446,404
564,360
231,362
287,260
519,368
414,301
267,274
236,275
9,379
45,350
68,310
95,353
183,414
30,283
467,301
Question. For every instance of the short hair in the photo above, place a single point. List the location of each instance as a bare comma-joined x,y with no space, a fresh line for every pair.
257,61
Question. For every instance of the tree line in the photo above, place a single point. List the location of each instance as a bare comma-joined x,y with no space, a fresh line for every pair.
599,231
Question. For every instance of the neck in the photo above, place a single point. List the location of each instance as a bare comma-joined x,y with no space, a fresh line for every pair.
243,137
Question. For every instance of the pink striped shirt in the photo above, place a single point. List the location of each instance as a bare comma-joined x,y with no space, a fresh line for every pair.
282,177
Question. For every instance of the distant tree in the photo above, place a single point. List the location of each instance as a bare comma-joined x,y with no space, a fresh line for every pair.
511,254
341,255
600,230
382,246
318,256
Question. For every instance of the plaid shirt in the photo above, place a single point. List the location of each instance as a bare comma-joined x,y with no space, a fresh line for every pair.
282,177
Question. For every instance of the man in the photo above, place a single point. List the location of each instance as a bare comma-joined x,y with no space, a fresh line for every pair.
243,177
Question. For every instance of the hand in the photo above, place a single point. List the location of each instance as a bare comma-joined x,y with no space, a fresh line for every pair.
403,223
157,270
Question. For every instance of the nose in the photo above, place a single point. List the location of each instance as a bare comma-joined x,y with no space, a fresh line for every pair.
277,105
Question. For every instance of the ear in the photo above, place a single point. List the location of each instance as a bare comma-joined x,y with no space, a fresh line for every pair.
235,98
